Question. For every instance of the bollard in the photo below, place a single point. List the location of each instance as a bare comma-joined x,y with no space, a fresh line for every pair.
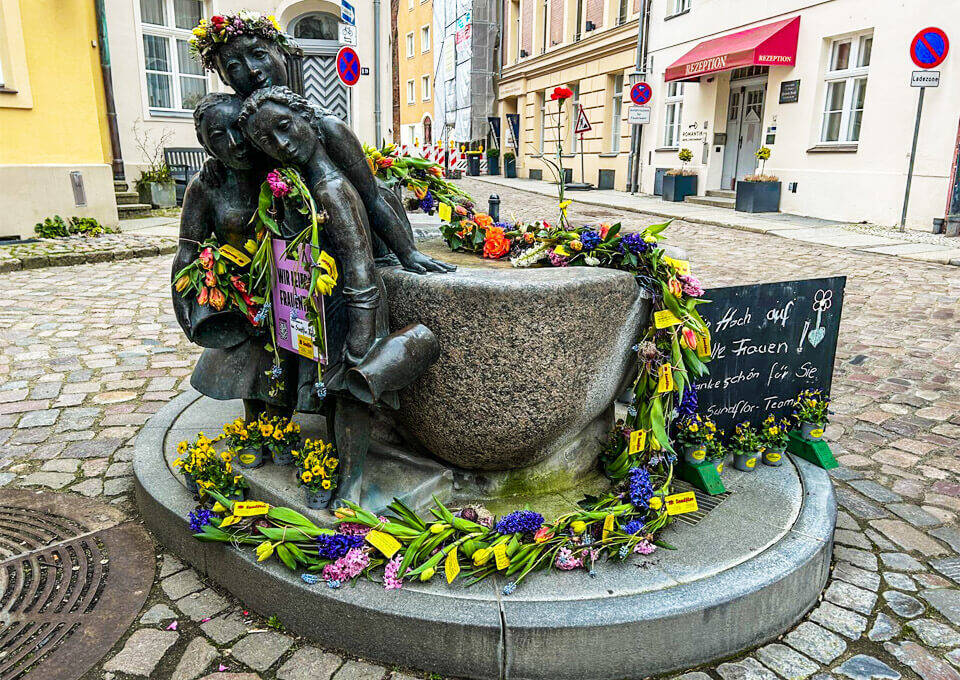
493,207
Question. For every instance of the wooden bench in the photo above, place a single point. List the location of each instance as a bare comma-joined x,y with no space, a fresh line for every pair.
184,163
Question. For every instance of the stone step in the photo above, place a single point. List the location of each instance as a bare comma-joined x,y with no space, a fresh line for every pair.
127,197
132,210
721,193
120,185
713,201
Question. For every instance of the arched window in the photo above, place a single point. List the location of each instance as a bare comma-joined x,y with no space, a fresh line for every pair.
427,130
316,26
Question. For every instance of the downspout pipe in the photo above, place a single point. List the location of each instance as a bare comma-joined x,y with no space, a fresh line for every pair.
111,104
376,72
636,136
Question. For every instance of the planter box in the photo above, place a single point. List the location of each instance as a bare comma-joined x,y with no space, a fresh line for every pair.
756,197
473,165
678,187
510,167
158,195
493,165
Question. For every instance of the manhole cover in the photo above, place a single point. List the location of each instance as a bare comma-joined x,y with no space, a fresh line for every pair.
73,575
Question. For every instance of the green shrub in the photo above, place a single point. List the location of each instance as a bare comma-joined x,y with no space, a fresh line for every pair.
56,227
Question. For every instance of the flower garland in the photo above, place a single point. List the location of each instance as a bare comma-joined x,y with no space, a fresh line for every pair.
222,28
422,177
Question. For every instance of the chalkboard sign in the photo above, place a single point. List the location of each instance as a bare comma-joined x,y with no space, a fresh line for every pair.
789,91
769,342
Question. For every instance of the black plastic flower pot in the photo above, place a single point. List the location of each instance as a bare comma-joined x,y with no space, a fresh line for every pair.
473,165
493,165
678,187
757,197
510,167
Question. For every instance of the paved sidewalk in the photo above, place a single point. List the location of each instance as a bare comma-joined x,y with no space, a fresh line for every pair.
912,244
64,252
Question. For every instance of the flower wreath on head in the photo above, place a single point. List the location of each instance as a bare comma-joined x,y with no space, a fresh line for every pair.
221,28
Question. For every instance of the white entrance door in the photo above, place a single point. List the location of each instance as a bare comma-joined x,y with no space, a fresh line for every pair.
744,133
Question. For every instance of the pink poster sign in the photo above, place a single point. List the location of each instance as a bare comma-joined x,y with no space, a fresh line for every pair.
291,283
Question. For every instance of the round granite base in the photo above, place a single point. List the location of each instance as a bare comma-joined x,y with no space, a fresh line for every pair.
741,575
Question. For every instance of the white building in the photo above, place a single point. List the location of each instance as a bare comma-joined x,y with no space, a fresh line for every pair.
825,85
156,82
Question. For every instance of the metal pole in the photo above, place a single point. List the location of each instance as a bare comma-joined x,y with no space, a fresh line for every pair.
913,155
633,164
376,72
583,173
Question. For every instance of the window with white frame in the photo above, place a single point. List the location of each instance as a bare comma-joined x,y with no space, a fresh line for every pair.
846,89
574,111
623,12
425,87
410,5
616,114
673,115
425,39
175,81
543,120
411,92
410,47
679,6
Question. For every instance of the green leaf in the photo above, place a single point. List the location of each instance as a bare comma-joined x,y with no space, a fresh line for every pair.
658,425
614,230
283,552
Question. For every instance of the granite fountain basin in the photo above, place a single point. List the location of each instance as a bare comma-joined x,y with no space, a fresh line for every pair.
530,359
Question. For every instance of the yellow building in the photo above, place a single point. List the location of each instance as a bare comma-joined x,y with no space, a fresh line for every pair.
415,71
55,149
588,46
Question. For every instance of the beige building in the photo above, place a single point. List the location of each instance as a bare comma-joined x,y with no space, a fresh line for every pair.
824,85
157,83
415,40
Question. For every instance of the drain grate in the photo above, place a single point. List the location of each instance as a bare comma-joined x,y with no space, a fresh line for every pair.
73,575
705,502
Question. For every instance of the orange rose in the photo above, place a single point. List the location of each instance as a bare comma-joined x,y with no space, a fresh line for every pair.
483,221
496,244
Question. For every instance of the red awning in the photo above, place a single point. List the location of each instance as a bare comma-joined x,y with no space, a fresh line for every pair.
771,45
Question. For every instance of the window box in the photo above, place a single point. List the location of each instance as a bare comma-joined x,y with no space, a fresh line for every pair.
678,187
757,197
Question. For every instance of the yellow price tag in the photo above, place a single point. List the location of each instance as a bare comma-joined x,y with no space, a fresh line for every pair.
681,266
451,566
665,384
237,257
327,261
250,508
680,503
305,346
500,554
665,318
445,212
637,439
383,542
607,526
229,520
704,349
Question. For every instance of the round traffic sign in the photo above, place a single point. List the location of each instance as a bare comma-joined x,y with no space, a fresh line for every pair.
348,66
641,93
929,47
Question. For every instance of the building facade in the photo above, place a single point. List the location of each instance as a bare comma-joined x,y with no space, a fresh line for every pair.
157,83
825,86
55,150
415,42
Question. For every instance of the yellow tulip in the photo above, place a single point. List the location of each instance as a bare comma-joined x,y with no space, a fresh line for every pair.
427,574
482,556
578,527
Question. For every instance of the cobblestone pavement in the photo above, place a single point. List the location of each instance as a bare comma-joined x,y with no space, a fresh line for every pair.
89,353
65,252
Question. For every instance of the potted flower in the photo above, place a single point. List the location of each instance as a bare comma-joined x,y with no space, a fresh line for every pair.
810,410
281,436
746,446
717,452
493,161
155,184
773,436
693,434
193,459
473,162
509,164
680,182
759,192
246,442
220,476
316,467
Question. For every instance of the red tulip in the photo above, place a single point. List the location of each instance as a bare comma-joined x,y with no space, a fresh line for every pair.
238,284
543,534
217,299
604,230
203,297
561,93
689,338
210,279
206,258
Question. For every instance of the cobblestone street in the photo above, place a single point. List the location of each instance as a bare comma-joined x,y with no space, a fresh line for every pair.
89,352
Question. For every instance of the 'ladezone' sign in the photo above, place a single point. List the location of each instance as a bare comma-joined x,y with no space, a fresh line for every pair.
769,342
